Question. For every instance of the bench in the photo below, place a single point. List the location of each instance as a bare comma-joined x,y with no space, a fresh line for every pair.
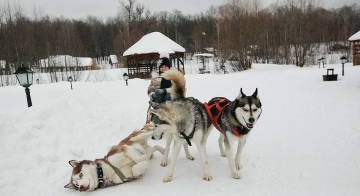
330,77
203,71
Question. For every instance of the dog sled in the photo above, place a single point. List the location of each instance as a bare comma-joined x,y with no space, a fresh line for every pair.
154,66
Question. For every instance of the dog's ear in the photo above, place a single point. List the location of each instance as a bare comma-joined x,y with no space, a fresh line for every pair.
74,163
255,94
241,94
69,186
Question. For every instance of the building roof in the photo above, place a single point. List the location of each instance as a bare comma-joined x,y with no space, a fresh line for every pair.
354,37
66,60
114,58
204,54
154,42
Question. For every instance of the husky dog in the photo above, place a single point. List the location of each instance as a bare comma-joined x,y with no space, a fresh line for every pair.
155,120
169,140
124,162
185,119
235,123
189,120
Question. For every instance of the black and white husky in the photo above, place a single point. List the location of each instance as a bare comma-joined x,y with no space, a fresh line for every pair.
124,162
235,123
188,120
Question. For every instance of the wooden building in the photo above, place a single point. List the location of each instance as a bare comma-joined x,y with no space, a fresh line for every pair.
355,42
140,56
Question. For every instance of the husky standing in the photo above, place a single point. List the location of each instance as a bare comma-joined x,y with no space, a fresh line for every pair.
235,121
190,120
185,119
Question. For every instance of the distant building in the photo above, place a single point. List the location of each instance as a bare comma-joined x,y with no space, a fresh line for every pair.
64,63
140,56
355,41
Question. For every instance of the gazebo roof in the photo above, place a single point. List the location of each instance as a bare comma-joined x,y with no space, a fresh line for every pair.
354,37
154,42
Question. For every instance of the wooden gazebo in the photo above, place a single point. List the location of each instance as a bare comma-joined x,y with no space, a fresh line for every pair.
355,40
140,56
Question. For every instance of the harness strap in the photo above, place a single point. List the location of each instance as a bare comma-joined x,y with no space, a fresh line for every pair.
186,138
117,171
220,108
235,132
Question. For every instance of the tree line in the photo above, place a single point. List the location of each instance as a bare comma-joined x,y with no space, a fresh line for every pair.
244,31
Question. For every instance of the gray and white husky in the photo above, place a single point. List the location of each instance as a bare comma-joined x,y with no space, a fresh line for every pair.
188,120
235,123
124,162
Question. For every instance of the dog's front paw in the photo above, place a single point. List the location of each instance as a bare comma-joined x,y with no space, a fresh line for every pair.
223,154
190,157
207,177
236,175
135,177
167,179
238,166
164,163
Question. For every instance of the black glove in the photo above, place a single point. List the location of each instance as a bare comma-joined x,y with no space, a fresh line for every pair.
160,91
159,95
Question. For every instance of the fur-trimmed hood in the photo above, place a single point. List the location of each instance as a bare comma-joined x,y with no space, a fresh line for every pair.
154,74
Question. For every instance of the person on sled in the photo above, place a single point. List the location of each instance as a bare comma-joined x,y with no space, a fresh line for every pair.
160,88
159,91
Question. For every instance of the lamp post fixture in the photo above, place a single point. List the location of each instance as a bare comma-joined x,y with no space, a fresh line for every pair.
126,77
70,80
25,77
343,61
223,68
323,61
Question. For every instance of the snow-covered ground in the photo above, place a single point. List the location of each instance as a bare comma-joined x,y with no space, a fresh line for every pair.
307,141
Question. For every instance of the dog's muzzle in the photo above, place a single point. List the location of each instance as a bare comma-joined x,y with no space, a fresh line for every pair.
250,125
152,137
155,138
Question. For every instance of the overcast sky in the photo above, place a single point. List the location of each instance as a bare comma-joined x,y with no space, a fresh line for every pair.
108,8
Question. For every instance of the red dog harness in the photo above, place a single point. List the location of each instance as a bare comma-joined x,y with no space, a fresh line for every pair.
219,103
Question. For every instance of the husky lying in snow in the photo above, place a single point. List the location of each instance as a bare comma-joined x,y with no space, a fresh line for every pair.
189,120
124,162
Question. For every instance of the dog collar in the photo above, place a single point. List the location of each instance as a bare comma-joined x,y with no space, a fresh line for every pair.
100,174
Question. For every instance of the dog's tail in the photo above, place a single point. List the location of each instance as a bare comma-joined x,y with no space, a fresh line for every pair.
137,136
178,89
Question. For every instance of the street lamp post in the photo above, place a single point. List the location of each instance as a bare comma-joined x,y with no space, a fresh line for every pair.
223,68
126,77
323,61
25,77
343,61
70,80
